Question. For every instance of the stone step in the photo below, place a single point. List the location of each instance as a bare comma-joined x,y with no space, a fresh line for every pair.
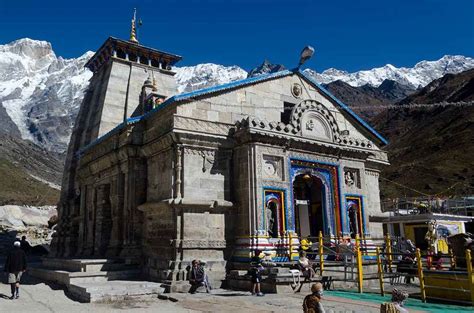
66,277
85,265
114,290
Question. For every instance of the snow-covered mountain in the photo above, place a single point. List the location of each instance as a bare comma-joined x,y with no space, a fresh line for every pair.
40,93
420,75
190,78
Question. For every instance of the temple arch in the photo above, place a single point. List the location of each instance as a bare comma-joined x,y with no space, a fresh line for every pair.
301,114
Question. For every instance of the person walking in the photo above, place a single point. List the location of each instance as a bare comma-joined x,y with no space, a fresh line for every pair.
15,266
25,245
255,270
312,303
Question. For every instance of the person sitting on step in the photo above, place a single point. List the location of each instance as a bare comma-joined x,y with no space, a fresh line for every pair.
198,277
305,266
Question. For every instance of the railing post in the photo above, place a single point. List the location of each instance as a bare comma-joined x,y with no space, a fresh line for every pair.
420,275
360,273
321,253
380,272
290,239
452,259
470,274
388,248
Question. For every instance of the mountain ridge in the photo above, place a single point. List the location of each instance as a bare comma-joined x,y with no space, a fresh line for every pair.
40,93
430,148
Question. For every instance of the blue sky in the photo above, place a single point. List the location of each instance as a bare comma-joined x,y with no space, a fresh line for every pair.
348,35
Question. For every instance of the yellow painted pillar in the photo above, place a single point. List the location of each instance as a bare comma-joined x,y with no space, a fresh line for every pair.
321,253
380,272
470,274
388,248
420,275
360,273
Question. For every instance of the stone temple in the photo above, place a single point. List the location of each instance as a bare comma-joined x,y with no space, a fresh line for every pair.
211,174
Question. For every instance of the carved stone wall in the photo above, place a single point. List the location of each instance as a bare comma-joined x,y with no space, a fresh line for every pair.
160,176
206,173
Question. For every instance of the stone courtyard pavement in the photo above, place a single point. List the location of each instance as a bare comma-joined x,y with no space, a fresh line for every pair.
42,298
36,296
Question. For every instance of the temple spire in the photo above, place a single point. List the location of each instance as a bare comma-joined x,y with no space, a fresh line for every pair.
133,30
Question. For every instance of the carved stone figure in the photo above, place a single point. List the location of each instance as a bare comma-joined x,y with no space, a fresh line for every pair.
349,178
296,90
270,215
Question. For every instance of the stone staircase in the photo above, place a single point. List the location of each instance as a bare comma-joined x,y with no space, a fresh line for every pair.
97,280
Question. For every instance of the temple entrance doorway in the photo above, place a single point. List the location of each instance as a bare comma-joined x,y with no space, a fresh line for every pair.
308,195
354,212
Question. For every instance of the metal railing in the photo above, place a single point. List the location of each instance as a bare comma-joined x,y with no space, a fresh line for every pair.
392,262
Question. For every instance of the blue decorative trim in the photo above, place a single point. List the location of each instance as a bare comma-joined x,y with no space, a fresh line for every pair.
263,225
327,210
128,121
342,105
344,221
231,85
213,89
313,161
242,83
365,231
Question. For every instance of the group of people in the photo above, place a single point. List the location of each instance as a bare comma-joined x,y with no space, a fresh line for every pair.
16,264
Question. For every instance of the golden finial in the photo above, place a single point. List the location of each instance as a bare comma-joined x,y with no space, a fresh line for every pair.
133,30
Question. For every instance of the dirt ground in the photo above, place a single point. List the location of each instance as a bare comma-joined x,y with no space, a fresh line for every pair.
36,296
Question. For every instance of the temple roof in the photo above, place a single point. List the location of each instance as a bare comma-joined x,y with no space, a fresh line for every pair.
211,91
105,51
203,93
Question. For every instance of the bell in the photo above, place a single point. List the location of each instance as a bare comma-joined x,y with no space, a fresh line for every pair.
306,177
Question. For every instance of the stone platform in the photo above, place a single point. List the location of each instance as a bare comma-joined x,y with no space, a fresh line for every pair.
97,280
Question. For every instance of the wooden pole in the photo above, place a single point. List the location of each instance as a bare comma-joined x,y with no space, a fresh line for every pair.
380,272
321,253
388,247
470,274
360,273
420,275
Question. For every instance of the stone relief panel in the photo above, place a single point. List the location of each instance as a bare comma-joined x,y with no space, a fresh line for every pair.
296,90
314,120
352,177
272,167
313,125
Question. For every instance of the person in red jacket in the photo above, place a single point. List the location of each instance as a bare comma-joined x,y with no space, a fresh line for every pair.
15,266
